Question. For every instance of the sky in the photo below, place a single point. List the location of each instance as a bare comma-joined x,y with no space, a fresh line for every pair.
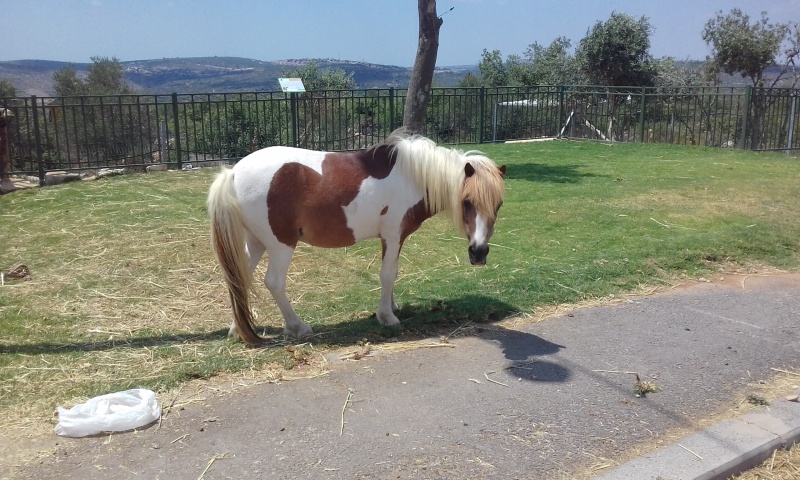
376,31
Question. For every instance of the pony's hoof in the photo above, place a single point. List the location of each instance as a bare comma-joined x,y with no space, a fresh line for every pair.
300,332
233,333
388,320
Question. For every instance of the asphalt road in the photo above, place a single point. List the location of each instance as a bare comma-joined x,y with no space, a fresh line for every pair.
537,401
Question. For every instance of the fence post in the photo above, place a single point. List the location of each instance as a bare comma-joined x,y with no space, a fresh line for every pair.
481,107
792,110
748,94
163,142
293,105
641,114
5,151
561,111
38,140
391,109
177,127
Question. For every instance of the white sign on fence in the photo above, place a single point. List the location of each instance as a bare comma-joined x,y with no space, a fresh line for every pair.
290,85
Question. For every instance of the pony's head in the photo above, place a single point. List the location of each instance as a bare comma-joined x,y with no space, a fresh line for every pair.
481,197
468,184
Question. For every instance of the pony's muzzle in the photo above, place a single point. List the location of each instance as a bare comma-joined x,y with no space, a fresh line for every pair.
477,254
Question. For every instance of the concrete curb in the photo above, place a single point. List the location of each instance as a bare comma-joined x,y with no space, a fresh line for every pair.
722,450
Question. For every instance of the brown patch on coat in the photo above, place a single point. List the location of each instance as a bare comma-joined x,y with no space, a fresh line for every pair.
413,219
306,206
411,222
377,161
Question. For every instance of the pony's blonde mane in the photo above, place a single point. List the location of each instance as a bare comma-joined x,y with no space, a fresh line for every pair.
439,171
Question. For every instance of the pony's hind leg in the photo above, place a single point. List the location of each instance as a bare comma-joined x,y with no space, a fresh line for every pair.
280,256
255,250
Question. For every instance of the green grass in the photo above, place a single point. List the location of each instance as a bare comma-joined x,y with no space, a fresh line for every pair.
125,292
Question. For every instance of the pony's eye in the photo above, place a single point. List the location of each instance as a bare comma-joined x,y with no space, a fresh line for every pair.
467,204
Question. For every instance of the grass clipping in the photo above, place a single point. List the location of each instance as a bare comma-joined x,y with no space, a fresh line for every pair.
643,387
640,387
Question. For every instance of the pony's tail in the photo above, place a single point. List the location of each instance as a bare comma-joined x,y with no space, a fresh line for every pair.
228,242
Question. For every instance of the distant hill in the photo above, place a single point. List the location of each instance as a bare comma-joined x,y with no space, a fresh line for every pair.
32,77
235,74
216,74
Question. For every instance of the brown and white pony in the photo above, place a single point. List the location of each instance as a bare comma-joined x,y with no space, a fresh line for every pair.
279,196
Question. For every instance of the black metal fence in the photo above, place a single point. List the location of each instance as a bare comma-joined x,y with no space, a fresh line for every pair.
92,132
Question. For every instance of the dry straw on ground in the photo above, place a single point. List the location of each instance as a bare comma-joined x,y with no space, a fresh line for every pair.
784,464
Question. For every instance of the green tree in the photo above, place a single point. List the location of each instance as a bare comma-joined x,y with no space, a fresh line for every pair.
103,133
104,77
7,88
493,69
471,80
519,71
233,131
496,72
672,74
617,52
551,65
67,83
316,78
749,49
739,47
554,64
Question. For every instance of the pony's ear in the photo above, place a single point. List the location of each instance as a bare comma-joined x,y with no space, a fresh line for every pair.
469,170
502,170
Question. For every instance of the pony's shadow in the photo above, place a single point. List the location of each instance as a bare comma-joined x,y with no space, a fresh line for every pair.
420,318
525,352
471,315
542,172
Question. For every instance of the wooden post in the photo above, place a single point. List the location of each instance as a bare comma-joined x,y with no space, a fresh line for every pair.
5,154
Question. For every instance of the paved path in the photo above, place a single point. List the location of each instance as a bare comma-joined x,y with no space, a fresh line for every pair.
433,413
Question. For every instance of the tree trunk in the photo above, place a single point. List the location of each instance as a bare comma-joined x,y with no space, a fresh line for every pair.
419,87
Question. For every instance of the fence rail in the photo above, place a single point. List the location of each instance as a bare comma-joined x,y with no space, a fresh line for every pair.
91,132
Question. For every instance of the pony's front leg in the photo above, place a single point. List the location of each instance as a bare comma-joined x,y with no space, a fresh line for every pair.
387,307
279,259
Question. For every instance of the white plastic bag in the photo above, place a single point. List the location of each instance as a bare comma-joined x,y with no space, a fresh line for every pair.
114,412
